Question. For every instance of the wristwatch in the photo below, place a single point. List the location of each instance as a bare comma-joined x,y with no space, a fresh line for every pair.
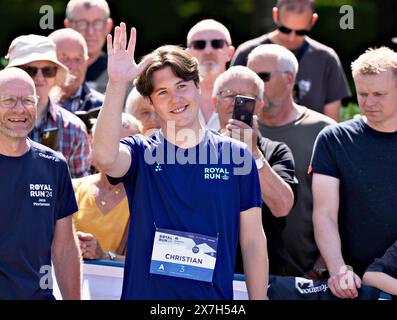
112,255
260,162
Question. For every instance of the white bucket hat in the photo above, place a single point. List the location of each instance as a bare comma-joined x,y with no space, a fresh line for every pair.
32,47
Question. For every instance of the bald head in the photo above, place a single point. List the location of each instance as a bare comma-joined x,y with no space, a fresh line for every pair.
18,109
206,25
72,51
68,34
16,75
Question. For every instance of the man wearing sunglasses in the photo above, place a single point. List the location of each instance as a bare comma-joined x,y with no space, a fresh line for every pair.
37,56
92,19
281,119
37,202
209,42
321,82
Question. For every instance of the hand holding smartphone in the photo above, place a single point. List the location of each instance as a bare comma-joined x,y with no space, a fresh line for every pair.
244,108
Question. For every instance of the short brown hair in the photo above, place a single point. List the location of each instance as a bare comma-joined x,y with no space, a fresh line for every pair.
182,64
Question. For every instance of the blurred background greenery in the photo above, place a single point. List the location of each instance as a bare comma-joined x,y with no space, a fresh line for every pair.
167,22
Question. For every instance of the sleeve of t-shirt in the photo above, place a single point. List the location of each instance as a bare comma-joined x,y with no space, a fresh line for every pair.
337,87
240,57
66,200
283,163
387,263
324,155
130,143
250,189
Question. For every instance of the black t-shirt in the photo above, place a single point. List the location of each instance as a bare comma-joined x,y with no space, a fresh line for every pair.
387,263
281,160
364,160
35,192
320,78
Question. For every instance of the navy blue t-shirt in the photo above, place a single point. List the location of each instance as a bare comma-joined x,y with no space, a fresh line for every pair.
35,192
204,198
364,160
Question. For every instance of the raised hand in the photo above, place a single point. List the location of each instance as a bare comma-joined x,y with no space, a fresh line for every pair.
121,62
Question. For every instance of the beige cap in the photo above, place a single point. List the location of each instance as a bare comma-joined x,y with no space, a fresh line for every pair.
32,47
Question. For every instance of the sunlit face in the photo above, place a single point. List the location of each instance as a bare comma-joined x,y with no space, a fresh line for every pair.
146,114
294,21
377,98
211,60
17,122
71,53
92,24
43,84
276,89
175,100
224,103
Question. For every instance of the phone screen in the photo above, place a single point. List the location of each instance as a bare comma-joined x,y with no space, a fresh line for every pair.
244,109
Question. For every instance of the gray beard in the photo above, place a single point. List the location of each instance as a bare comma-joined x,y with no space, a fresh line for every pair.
207,69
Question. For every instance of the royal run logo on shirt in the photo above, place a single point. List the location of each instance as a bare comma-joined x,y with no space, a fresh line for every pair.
40,193
214,173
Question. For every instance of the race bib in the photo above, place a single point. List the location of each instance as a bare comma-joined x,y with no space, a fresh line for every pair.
184,255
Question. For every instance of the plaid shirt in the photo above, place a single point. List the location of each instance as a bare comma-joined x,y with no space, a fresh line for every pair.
73,141
85,99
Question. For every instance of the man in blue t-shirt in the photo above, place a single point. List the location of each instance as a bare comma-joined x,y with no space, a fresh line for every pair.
37,202
192,193
354,177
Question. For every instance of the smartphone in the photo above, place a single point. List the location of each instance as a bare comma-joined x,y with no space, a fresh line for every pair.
49,138
244,108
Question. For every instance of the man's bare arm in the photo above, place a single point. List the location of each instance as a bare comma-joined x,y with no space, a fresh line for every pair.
254,252
332,110
108,154
342,282
66,260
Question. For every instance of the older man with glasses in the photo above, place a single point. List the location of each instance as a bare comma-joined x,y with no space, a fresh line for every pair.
54,126
210,43
37,201
282,119
321,82
92,19
274,160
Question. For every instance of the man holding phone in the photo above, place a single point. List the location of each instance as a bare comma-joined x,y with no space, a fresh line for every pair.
239,92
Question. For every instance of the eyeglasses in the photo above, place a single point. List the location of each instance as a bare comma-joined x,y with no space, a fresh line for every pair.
266,76
201,44
82,25
47,72
9,102
286,30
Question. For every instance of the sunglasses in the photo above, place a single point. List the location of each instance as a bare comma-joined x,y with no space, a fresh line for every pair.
266,76
47,72
286,30
201,44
